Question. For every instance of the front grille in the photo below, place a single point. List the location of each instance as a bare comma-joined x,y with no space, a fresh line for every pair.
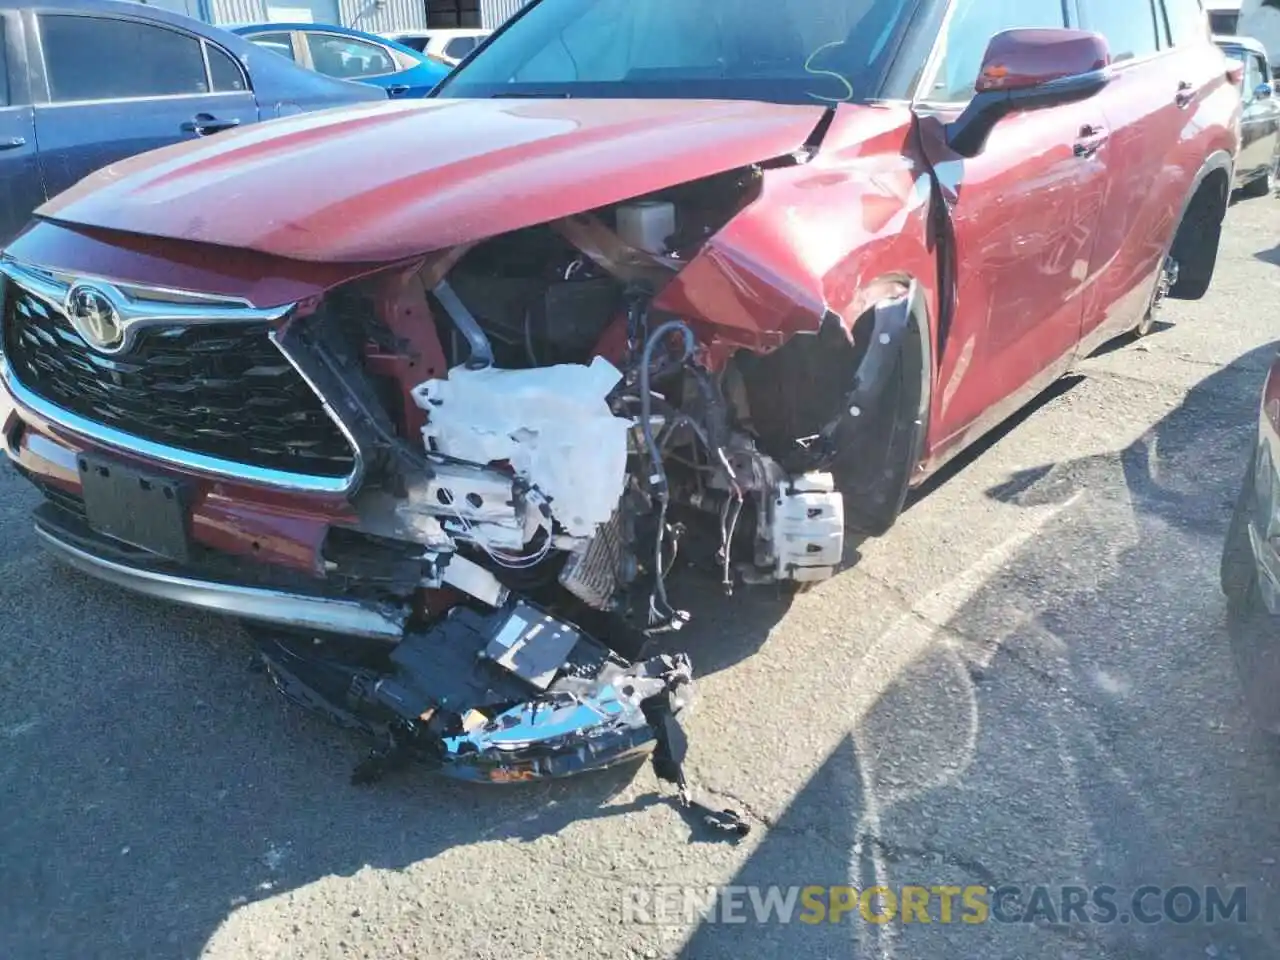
220,390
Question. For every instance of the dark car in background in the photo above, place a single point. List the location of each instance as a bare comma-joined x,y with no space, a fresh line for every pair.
84,83
1256,166
1250,567
347,54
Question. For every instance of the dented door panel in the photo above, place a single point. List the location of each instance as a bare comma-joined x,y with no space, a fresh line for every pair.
1022,220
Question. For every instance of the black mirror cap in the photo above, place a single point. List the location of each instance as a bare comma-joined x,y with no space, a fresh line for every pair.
968,133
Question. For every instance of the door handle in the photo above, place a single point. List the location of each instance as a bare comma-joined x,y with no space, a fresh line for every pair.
1091,140
203,124
1185,95
13,143
397,89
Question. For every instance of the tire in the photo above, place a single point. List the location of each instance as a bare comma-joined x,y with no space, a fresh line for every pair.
1167,279
1262,186
1196,242
1238,572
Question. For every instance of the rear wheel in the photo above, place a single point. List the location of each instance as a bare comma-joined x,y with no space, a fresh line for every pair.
1264,185
1195,245
1164,283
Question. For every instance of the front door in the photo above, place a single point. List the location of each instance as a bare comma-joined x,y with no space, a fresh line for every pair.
118,87
1023,214
20,189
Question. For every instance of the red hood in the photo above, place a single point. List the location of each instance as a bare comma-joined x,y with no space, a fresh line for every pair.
390,181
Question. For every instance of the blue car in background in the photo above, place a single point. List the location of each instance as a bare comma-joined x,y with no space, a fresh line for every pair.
347,54
84,83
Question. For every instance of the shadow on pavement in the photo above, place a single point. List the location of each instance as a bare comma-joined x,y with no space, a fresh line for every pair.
152,782
1077,722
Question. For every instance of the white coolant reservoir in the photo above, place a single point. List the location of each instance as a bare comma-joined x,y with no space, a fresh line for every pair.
647,224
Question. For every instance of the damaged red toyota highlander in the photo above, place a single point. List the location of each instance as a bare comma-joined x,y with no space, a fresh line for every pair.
429,391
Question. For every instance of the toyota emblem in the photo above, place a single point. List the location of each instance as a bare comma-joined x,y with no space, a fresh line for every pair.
95,318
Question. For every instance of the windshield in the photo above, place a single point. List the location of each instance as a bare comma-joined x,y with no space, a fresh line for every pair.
790,51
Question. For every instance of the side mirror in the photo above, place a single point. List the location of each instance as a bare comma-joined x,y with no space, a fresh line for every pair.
1264,91
1027,70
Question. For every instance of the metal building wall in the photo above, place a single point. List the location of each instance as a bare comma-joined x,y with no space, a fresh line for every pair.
237,11
493,13
363,15
381,18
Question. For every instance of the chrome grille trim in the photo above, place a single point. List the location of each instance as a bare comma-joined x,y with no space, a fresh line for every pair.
150,306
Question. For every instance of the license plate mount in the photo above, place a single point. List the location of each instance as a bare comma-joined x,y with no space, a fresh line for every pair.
139,509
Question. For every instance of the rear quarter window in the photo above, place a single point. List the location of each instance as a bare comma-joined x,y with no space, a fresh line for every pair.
224,71
279,43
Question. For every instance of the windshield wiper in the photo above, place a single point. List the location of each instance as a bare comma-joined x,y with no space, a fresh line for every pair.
512,95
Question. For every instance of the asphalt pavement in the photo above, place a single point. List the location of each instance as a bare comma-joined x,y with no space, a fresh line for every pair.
1026,684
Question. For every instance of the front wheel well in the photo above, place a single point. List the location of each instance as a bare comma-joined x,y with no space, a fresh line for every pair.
1199,232
865,392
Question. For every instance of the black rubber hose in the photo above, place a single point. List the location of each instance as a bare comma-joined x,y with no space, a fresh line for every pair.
658,479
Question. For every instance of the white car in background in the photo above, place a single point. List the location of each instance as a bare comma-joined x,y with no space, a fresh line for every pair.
450,46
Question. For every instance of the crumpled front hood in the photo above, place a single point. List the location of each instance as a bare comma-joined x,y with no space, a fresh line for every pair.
389,181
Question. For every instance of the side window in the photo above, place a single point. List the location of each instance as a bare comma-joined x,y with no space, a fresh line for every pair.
348,59
1188,22
225,73
1254,77
460,47
973,24
143,60
1128,25
280,43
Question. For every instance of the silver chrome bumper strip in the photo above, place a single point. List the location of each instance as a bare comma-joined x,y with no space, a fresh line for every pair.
295,611
169,456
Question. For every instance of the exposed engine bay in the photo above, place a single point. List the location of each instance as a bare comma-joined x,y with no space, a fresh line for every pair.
570,445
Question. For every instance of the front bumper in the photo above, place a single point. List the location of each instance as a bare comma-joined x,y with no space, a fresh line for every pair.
279,608
264,553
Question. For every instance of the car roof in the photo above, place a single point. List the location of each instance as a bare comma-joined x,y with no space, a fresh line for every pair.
245,29
124,8
1244,43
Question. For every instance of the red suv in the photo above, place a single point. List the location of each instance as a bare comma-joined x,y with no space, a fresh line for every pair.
448,385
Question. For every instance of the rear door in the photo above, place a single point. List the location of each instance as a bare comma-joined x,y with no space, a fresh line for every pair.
20,188
1023,215
117,86
1165,65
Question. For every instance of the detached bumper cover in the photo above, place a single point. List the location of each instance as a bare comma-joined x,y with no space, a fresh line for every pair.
508,696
